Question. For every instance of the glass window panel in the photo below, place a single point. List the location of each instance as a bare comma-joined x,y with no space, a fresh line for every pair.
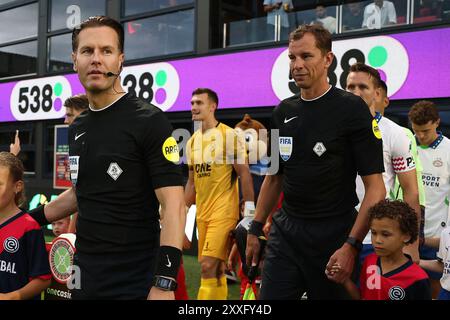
19,23
429,10
60,50
353,15
70,13
2,2
27,140
391,13
18,59
250,31
139,6
166,34
325,16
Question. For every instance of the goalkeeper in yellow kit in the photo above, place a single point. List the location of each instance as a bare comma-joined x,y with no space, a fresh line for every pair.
216,158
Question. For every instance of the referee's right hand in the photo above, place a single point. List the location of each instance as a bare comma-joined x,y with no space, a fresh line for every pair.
252,250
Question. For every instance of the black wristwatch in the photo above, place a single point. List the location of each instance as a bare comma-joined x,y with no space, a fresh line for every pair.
355,243
164,283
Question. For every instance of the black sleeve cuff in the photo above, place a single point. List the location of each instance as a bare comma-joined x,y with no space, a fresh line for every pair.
38,214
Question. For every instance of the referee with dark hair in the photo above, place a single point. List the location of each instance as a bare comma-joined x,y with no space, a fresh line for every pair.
122,164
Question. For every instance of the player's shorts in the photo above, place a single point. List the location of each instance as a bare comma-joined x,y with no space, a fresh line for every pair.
444,295
214,237
429,253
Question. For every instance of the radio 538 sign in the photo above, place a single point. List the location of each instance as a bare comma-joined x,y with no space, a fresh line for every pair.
40,99
156,83
383,53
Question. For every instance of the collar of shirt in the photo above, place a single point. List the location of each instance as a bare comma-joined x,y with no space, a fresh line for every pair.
378,117
435,143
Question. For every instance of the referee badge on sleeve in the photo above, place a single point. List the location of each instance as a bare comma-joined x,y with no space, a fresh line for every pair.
285,145
376,129
170,150
74,162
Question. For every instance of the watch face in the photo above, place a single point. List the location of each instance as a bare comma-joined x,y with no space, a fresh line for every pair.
165,284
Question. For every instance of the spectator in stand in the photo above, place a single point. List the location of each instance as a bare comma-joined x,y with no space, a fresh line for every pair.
352,16
275,8
379,14
322,18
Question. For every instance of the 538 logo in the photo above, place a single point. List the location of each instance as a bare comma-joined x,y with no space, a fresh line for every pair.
383,53
157,83
40,99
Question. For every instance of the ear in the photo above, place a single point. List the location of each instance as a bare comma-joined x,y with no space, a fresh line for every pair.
406,239
121,59
74,59
329,57
18,186
377,93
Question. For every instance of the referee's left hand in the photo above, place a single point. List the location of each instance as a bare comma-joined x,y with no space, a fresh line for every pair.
158,294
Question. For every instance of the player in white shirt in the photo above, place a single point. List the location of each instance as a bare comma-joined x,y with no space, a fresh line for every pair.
434,152
441,264
364,81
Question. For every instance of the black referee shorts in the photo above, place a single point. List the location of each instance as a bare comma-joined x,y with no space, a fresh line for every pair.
297,253
115,276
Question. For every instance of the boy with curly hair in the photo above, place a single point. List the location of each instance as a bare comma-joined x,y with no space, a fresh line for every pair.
389,274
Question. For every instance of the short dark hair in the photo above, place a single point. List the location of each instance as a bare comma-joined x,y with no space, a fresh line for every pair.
322,36
78,102
399,211
373,73
212,95
98,21
423,112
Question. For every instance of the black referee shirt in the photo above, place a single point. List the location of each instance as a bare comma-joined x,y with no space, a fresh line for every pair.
117,160
323,144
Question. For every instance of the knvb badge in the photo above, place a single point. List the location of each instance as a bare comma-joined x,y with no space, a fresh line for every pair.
285,145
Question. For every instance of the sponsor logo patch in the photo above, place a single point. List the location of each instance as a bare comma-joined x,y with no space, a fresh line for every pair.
61,259
376,129
438,163
170,150
285,145
114,170
11,245
319,148
74,164
397,293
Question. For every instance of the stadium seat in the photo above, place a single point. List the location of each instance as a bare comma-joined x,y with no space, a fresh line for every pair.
425,19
